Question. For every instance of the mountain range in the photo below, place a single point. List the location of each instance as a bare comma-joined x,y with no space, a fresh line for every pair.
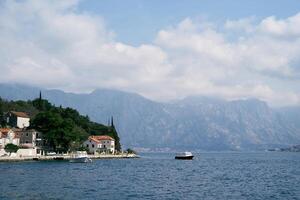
193,123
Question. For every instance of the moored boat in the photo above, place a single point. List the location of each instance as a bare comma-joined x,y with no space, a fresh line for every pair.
184,156
80,157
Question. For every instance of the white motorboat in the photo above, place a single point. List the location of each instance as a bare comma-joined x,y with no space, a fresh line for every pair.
184,156
80,157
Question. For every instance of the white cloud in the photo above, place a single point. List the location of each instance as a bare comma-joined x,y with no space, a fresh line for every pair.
52,44
281,27
235,68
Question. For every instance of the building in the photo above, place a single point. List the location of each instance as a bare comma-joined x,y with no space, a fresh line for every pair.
8,136
17,119
29,138
100,143
31,142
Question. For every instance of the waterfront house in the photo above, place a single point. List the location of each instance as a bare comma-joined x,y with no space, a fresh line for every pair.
100,144
30,142
8,136
17,119
29,138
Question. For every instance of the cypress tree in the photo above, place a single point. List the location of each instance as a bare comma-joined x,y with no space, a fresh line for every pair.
40,95
112,122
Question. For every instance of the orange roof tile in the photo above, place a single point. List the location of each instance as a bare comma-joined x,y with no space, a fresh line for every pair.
4,130
98,138
93,139
20,114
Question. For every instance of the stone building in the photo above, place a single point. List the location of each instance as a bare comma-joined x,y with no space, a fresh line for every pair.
17,119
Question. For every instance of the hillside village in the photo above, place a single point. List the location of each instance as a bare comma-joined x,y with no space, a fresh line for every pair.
47,130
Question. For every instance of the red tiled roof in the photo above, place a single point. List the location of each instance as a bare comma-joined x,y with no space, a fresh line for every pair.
93,139
20,114
98,138
3,135
4,130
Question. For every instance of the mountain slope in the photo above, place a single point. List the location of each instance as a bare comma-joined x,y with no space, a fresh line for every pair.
191,123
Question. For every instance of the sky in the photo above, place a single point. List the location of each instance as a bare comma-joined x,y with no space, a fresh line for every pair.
163,50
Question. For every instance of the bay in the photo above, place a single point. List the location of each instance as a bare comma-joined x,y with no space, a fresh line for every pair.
212,175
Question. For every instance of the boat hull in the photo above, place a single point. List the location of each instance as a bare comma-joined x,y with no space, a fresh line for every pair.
81,160
184,157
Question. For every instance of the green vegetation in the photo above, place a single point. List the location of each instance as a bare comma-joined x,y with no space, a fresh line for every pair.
11,148
63,129
21,106
130,151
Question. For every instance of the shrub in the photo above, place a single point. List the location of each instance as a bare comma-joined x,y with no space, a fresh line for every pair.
11,148
130,151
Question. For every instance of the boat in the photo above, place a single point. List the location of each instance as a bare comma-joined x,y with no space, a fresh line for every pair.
184,156
58,158
80,157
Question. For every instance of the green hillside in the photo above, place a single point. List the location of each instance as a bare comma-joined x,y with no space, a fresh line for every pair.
63,128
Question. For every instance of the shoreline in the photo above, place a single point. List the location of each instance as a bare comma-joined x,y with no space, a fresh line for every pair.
65,157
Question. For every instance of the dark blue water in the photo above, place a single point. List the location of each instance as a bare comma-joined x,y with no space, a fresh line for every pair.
157,176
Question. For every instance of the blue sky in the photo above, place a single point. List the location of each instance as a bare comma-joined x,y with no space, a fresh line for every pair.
138,21
161,49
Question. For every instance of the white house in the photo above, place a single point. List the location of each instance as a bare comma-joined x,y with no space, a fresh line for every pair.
29,141
100,143
8,136
17,119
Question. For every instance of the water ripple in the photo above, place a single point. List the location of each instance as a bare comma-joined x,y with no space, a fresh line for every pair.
157,176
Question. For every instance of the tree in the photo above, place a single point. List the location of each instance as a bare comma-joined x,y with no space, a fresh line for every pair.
114,134
11,148
59,131
63,128
2,121
130,151
42,104
52,126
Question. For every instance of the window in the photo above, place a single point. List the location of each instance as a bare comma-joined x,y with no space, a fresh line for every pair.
26,134
26,142
87,145
93,145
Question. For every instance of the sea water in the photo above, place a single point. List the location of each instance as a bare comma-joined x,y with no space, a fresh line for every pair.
227,175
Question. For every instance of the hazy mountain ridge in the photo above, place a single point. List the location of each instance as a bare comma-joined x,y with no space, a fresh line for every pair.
191,123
